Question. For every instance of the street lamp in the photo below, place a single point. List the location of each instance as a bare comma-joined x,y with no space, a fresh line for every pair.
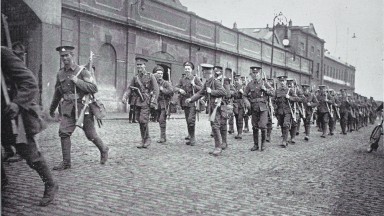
280,18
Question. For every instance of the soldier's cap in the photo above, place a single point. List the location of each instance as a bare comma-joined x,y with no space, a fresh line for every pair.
305,85
237,75
270,79
290,80
255,68
206,66
217,68
141,60
158,68
188,63
65,49
322,86
282,77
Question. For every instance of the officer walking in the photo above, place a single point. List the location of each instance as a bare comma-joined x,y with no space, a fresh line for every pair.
284,110
73,83
310,102
145,85
256,93
165,96
189,85
22,90
214,91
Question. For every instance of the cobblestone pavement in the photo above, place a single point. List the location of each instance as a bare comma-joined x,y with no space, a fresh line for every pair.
332,176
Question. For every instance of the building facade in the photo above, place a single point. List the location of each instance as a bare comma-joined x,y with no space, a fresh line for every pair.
338,75
163,31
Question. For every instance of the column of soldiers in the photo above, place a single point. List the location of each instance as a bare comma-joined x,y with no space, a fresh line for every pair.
260,99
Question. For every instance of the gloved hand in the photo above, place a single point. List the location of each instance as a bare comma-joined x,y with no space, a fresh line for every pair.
12,110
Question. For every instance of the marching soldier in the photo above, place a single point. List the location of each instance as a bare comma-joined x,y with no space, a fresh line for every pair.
188,86
238,106
351,113
247,112
214,91
22,90
295,108
145,85
165,96
309,103
344,105
73,83
332,115
323,109
271,107
256,93
284,110
230,90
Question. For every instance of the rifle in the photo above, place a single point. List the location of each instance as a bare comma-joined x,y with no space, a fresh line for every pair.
138,92
313,111
80,119
197,103
326,103
18,129
217,101
290,107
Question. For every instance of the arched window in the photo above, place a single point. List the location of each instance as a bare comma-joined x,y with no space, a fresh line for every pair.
106,69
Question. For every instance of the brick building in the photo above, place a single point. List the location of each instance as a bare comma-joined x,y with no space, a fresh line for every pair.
162,31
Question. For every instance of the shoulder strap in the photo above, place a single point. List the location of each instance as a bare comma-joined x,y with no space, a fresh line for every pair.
81,69
139,82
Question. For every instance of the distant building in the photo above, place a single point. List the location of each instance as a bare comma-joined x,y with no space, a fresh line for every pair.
162,31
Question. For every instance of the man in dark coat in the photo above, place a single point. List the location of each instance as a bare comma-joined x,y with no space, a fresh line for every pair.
73,83
143,83
23,108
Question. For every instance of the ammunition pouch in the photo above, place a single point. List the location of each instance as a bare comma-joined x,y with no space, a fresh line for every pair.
71,96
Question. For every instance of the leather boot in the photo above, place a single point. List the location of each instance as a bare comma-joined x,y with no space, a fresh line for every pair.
147,138
162,135
102,148
325,129
263,132
239,131
66,151
255,139
268,138
307,131
218,142
298,128
331,129
51,187
192,140
224,144
188,138
142,136
284,143
293,135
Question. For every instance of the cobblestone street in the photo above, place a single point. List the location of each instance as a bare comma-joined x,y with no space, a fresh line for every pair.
332,176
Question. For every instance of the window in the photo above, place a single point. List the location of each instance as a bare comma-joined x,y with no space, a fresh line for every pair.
318,52
312,49
318,69
302,47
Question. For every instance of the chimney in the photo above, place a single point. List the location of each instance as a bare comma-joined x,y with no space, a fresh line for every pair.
267,26
290,23
234,26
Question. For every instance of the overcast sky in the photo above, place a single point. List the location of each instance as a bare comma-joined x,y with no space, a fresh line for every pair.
335,21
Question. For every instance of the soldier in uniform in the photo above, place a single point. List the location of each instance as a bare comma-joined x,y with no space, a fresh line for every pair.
165,96
238,105
247,112
256,93
228,105
309,103
214,91
344,106
145,84
323,109
271,107
295,108
188,86
22,90
229,87
284,109
351,113
73,83
332,115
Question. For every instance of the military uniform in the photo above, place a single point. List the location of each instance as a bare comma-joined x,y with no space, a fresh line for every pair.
23,94
239,108
229,87
332,115
309,103
284,109
257,97
143,83
218,120
132,101
270,114
247,112
322,109
185,83
165,95
344,107
69,92
296,110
